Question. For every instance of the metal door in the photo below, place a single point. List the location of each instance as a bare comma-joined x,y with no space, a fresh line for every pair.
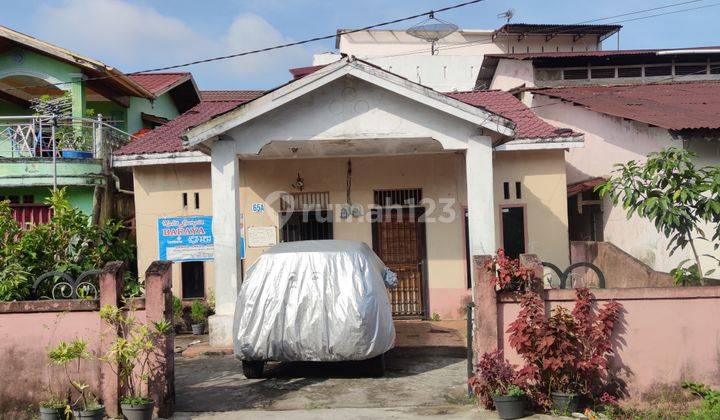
399,240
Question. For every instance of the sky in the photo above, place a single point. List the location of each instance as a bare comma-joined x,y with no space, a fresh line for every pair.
135,35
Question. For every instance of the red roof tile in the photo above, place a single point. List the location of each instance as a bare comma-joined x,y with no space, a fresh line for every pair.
229,95
527,124
675,106
167,138
300,72
159,83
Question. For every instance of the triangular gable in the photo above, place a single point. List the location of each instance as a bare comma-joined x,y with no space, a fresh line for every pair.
361,70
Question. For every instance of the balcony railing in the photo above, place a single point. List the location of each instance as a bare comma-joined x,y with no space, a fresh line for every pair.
48,136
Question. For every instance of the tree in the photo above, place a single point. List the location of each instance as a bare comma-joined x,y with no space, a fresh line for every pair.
677,197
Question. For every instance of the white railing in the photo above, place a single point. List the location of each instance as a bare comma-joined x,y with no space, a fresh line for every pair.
48,136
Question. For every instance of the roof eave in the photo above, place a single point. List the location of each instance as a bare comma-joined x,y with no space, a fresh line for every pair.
538,143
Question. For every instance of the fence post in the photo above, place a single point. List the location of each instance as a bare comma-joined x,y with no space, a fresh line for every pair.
111,290
158,307
534,263
485,298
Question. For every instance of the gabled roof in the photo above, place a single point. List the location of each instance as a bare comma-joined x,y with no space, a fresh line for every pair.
674,106
168,137
361,70
527,124
94,68
159,83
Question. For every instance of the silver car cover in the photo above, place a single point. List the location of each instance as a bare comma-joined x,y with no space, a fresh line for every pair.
315,301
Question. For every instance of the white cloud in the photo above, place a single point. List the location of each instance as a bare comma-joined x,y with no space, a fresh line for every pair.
133,37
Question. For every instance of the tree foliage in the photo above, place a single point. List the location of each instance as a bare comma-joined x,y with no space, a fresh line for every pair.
69,243
677,196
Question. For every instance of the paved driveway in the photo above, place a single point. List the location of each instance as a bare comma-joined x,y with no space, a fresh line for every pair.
414,384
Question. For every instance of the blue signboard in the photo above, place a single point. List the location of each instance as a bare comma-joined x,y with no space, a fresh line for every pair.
185,238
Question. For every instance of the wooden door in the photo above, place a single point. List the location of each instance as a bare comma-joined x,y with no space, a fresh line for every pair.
399,241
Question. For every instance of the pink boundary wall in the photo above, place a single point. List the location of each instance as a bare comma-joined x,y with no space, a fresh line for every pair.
29,328
667,334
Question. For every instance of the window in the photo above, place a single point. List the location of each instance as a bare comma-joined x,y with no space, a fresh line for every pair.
629,71
652,71
575,74
14,199
603,73
307,226
197,201
518,190
513,230
193,279
714,68
692,69
184,200
28,199
506,190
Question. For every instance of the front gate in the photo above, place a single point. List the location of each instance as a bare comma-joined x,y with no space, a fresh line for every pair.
399,241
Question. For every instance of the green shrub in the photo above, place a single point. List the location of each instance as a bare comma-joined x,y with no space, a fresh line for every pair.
198,311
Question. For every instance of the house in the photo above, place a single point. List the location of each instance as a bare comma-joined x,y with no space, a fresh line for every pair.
53,99
628,103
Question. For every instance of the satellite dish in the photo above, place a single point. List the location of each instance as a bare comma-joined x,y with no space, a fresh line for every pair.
432,30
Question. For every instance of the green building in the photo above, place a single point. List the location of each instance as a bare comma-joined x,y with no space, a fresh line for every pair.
62,115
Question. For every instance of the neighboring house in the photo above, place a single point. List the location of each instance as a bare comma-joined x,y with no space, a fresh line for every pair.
170,181
459,57
86,106
351,151
628,104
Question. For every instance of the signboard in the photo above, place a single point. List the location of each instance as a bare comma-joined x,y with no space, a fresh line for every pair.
187,238
261,236
257,207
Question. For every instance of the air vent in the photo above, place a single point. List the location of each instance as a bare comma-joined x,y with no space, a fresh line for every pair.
407,197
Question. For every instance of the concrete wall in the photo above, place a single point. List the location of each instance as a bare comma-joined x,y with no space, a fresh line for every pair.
158,193
163,106
610,140
667,335
510,74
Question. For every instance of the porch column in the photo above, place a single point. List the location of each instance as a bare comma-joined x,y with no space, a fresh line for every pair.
226,231
480,198
77,93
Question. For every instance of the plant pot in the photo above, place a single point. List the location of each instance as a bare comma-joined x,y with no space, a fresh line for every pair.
94,414
510,407
198,329
138,412
52,413
75,154
565,403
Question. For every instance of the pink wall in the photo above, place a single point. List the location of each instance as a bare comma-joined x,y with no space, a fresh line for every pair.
667,334
24,341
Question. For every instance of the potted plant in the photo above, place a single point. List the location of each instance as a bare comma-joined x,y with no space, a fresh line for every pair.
54,408
130,355
198,315
86,406
498,385
178,311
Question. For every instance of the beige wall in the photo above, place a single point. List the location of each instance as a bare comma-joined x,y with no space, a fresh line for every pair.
158,193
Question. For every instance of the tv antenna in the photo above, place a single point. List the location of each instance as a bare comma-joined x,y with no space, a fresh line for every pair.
432,30
508,14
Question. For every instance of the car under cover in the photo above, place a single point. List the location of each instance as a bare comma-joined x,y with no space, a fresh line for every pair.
315,301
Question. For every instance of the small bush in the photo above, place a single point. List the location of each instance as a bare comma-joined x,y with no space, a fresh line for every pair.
198,311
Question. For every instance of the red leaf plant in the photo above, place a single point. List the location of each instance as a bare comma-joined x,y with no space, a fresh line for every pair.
507,273
493,376
567,351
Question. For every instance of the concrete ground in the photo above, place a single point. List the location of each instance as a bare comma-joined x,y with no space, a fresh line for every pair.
425,377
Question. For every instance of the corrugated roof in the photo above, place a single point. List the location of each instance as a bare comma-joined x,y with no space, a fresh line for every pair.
159,83
675,106
527,124
567,29
167,138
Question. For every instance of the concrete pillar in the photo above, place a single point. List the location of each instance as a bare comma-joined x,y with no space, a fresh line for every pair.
77,92
485,331
225,174
158,307
110,293
480,198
